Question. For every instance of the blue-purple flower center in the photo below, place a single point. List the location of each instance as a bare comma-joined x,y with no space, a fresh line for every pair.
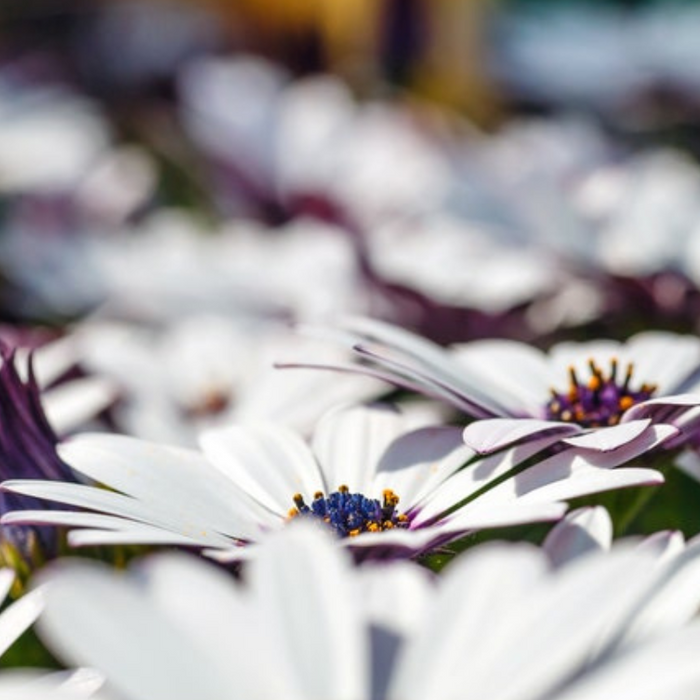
350,514
601,400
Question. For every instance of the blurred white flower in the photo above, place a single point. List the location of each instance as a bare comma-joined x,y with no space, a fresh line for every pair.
287,140
485,629
208,370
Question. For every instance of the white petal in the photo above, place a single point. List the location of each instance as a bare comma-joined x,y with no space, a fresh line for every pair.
490,435
582,531
428,359
417,462
480,515
163,477
674,596
476,476
609,438
667,669
195,524
16,618
515,372
473,604
349,443
665,409
270,462
664,359
303,581
30,686
397,597
7,576
84,600
70,405
218,616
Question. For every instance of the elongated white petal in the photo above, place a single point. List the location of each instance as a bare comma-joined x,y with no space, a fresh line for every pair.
667,668
304,584
664,359
665,409
429,358
490,435
18,616
417,462
478,516
609,438
219,617
161,477
349,443
473,603
7,576
29,686
70,405
586,596
271,463
85,601
515,372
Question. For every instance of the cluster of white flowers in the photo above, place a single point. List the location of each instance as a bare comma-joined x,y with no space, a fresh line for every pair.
374,416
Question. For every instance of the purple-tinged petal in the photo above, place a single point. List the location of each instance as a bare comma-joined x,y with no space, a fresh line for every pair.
664,409
606,439
491,435
475,477
649,439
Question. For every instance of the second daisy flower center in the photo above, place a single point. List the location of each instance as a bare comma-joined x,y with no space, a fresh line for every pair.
601,400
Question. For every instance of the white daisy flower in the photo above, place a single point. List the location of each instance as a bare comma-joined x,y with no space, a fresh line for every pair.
598,395
207,370
384,487
498,624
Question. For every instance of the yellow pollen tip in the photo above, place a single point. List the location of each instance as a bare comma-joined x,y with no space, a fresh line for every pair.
292,513
594,383
354,533
626,402
390,498
318,494
343,488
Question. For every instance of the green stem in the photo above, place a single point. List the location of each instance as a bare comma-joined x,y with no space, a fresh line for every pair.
644,495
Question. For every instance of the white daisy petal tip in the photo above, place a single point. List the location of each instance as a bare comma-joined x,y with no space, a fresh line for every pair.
494,434
609,438
581,531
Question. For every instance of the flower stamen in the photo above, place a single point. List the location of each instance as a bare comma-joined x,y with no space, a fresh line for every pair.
600,401
351,514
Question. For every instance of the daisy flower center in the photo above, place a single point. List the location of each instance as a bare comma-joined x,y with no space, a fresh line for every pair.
601,400
349,514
